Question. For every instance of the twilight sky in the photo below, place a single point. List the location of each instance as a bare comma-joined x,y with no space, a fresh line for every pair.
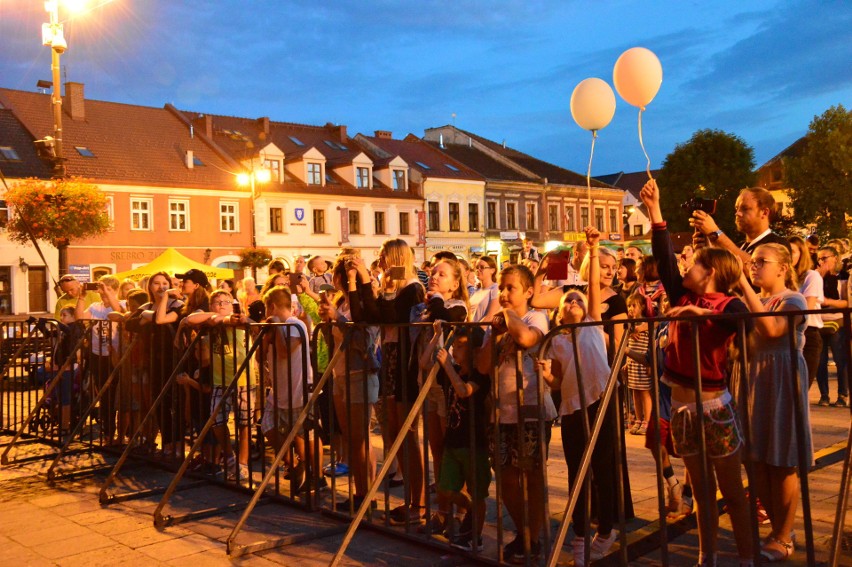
759,69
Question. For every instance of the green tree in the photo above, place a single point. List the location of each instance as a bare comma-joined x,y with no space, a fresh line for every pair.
255,258
56,211
711,165
819,176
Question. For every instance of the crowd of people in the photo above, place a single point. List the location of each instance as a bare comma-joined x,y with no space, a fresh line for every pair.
482,321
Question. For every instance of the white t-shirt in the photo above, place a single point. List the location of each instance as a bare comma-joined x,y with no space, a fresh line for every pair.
591,347
507,375
812,286
289,362
103,333
482,300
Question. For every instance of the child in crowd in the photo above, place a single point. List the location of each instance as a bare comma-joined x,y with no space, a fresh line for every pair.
288,366
128,398
703,290
638,372
227,354
561,372
464,459
518,449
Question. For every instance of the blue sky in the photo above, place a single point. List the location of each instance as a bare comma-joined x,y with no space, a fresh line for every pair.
759,69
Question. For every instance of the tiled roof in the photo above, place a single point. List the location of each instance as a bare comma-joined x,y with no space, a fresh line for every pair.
481,162
553,173
131,144
418,153
15,136
631,182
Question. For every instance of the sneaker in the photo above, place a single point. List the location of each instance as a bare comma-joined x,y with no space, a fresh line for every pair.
635,427
601,545
519,557
578,549
824,401
336,469
466,526
435,525
686,506
512,547
643,428
402,515
762,516
465,543
840,403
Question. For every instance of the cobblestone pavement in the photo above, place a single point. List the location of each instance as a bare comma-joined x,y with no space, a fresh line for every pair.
64,524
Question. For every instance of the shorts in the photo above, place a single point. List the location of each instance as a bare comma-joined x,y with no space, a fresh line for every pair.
243,414
286,419
437,401
460,467
508,452
721,430
355,383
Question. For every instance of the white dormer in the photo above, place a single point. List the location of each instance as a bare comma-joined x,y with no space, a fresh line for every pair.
309,167
395,174
272,158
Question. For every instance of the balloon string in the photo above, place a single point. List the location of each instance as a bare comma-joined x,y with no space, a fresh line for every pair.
641,143
589,175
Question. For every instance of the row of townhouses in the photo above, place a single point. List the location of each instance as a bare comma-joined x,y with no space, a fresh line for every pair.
170,176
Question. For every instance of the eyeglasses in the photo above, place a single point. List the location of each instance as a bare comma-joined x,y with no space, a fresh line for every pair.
481,267
760,262
825,258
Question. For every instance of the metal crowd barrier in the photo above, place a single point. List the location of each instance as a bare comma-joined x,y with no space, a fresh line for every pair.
181,420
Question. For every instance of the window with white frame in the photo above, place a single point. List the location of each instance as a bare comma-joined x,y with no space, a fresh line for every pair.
314,174
599,219
532,216
276,219
229,216
110,211
553,217
404,223
362,178
354,222
473,217
379,220
455,218
511,216
319,221
613,220
140,213
399,180
4,214
179,214
274,167
584,217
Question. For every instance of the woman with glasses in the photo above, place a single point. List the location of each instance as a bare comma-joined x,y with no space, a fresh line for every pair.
773,376
484,303
833,333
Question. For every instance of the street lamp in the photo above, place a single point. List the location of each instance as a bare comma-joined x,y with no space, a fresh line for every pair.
252,178
53,36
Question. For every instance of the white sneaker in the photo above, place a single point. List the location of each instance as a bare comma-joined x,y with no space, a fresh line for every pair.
578,546
602,545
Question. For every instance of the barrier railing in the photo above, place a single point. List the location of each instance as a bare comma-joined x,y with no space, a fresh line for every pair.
170,403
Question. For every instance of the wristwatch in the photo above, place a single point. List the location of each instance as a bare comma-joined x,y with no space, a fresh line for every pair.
714,236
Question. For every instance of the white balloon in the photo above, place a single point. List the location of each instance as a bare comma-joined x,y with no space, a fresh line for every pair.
592,104
637,76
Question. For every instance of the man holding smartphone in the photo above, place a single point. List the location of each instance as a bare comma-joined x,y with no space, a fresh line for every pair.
72,289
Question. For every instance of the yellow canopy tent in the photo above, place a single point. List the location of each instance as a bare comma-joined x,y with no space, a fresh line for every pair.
173,262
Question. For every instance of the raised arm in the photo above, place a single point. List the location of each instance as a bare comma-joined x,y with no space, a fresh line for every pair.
661,244
593,237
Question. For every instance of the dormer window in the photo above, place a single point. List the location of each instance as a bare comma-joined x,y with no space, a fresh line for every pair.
314,174
399,180
274,167
362,177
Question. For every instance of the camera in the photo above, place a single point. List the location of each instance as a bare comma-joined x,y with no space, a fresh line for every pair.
700,204
91,286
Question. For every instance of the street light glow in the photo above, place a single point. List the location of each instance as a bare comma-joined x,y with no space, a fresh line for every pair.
262,175
243,178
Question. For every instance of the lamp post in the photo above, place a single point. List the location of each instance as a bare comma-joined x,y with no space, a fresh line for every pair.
252,178
53,36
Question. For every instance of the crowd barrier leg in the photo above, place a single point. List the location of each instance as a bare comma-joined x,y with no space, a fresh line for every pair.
160,520
386,466
78,427
524,461
4,459
843,494
232,548
746,423
105,497
587,454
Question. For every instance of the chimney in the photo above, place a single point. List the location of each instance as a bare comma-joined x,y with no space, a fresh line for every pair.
190,163
337,130
204,123
264,124
74,101
384,134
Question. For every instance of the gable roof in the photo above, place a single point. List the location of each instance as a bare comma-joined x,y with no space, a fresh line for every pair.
553,173
131,144
793,150
631,182
14,135
428,161
481,162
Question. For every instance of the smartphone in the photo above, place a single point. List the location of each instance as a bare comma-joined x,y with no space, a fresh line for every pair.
397,273
557,263
295,279
91,286
237,308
